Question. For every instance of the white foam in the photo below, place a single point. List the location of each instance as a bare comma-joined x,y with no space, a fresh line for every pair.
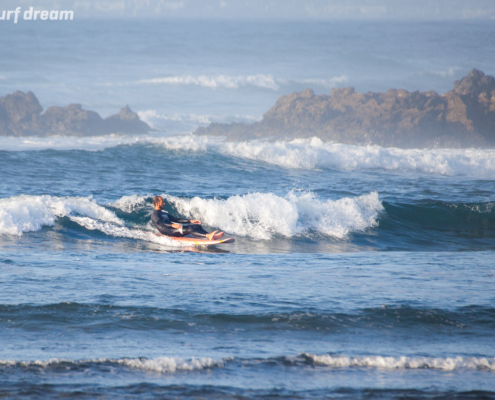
444,364
313,153
90,143
159,364
129,203
150,117
153,118
30,213
219,81
263,215
176,364
329,83
122,231
170,364
298,154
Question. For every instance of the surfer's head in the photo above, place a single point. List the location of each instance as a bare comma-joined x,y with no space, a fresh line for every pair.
158,203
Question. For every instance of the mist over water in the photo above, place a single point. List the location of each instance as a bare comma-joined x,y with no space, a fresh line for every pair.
357,270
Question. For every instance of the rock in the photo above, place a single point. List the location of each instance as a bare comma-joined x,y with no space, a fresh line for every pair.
126,121
463,117
20,115
72,120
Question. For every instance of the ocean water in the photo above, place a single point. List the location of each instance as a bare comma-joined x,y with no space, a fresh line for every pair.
357,271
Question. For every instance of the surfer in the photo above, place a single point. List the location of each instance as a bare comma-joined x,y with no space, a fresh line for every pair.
172,226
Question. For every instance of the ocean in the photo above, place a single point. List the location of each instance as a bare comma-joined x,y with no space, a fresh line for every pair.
357,271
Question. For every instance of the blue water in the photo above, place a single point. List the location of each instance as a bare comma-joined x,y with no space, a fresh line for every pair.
357,271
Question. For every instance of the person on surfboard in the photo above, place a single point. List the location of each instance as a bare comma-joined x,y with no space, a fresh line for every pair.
172,226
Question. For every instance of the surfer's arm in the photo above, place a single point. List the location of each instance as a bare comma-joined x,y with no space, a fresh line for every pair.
161,223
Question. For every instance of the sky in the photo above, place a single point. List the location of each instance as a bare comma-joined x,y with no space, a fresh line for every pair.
269,9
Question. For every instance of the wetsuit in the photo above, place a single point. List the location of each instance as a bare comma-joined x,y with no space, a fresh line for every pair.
163,222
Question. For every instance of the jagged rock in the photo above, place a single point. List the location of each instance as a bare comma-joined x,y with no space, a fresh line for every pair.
126,121
463,117
20,115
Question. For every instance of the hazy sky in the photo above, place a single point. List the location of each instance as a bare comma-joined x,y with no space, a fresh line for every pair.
270,9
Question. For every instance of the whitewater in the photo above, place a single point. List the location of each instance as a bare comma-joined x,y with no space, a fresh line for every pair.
298,153
257,215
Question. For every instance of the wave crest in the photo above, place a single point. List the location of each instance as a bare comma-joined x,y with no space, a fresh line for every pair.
176,364
444,364
297,154
263,215
159,364
219,81
313,153
30,213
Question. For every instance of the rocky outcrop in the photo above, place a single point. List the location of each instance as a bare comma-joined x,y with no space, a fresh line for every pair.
463,117
20,115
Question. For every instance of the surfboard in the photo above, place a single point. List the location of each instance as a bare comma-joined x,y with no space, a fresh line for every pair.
195,241
199,241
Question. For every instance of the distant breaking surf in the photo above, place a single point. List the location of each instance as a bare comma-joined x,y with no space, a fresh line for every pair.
297,154
170,365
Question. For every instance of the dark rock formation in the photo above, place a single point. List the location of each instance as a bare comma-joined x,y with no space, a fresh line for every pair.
20,115
463,117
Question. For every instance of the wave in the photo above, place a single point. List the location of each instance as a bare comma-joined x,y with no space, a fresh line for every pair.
328,83
150,116
313,153
440,363
256,215
30,213
24,213
129,203
263,215
219,81
176,364
475,320
298,215
62,143
261,81
159,364
190,121
307,154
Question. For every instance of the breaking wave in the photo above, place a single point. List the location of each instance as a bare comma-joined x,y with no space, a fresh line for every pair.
189,122
441,363
263,215
261,81
255,215
219,81
30,213
159,364
313,153
296,154
170,365
22,214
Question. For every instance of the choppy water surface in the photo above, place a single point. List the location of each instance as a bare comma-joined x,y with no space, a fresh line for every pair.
356,272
